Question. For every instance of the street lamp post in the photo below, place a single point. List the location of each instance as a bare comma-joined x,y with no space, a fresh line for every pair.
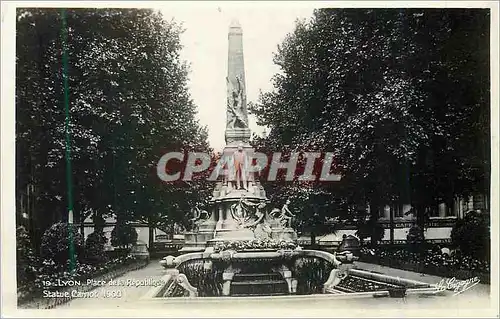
67,144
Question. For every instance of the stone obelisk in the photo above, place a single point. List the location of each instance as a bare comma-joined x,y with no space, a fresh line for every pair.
238,202
237,130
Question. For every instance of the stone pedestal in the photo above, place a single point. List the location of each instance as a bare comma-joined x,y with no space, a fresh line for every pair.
226,224
237,135
209,224
227,228
192,243
234,234
287,234
204,236
190,238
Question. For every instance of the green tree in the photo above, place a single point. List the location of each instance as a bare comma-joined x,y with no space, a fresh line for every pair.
94,247
361,83
55,243
472,235
129,105
28,263
123,235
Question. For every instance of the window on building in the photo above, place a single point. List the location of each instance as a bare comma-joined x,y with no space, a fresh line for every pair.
398,211
432,211
451,210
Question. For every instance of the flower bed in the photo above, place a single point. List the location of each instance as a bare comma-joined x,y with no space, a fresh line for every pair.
31,295
254,245
430,262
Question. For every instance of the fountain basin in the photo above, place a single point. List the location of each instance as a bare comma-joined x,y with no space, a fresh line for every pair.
412,288
271,272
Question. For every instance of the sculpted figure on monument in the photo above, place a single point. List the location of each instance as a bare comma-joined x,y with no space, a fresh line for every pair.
193,221
262,228
283,216
258,211
239,213
263,231
240,162
235,99
199,216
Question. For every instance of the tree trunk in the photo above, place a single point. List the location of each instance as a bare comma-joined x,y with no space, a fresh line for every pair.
151,233
172,231
452,206
82,224
391,226
373,241
99,222
313,240
420,211
374,216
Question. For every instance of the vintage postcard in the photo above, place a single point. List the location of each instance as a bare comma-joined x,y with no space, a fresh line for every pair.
250,159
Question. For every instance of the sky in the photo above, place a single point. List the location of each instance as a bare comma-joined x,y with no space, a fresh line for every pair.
205,49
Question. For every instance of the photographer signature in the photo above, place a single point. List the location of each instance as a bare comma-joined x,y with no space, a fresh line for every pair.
458,286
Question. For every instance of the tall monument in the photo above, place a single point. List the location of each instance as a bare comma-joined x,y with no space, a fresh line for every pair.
238,208
237,129
239,236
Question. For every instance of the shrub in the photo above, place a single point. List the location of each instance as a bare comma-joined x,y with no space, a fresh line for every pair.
428,259
55,243
472,235
52,272
415,235
27,262
94,248
123,235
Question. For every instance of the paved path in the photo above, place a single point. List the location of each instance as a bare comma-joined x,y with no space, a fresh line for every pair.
291,306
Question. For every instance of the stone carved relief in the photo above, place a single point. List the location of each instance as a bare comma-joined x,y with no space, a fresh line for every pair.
236,117
238,213
263,231
253,216
246,213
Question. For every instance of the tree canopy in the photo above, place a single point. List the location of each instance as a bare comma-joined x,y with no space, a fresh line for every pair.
129,105
400,96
